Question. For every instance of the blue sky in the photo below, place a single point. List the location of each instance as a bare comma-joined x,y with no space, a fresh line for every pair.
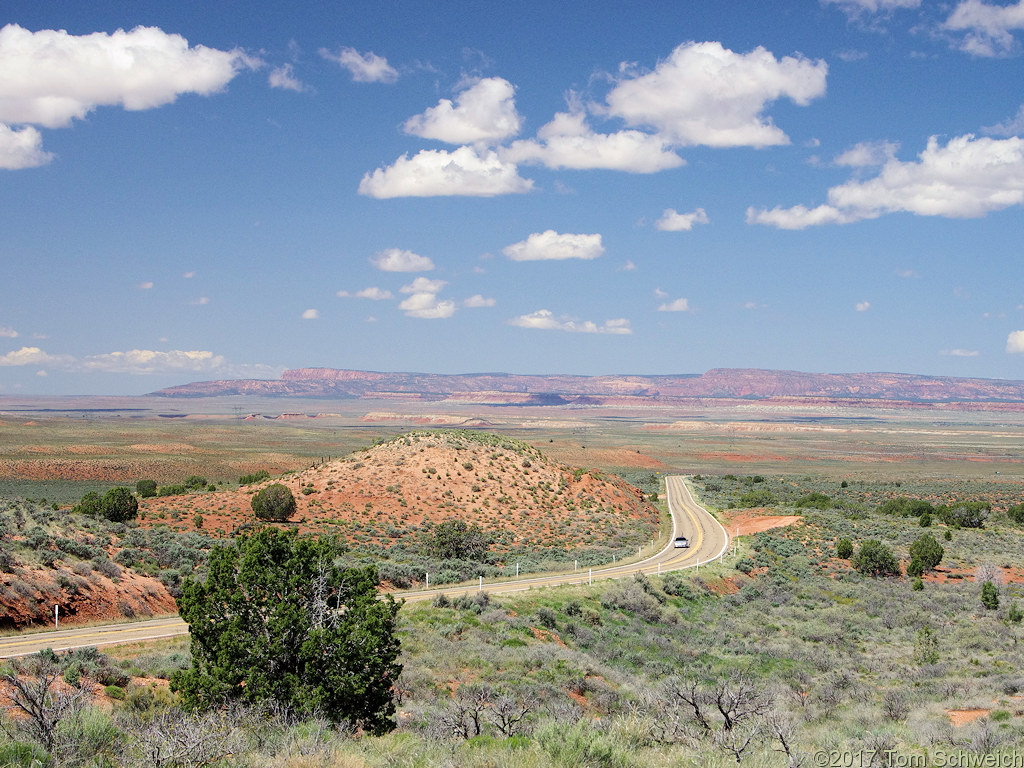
195,191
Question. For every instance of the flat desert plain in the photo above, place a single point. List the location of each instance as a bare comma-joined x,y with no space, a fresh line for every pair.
66,445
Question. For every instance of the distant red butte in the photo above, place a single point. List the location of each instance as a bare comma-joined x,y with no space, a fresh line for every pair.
885,390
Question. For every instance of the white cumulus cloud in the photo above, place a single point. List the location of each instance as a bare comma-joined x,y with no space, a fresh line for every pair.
436,173
569,142
397,260
139,362
478,300
143,361
959,352
673,221
706,94
22,148
545,320
427,306
988,28
679,305
51,77
311,314
484,112
862,306
1015,343
550,245
365,67
1012,127
967,178
423,285
33,356
372,293
868,154
284,77
7,332
857,8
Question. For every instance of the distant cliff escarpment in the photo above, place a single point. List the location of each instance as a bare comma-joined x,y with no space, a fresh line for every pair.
566,390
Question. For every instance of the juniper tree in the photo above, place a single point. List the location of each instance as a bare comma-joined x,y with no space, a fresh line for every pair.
276,620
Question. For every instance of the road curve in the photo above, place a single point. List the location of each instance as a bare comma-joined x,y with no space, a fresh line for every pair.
708,541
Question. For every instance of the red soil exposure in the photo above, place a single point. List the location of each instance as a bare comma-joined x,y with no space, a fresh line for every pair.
605,457
725,586
942,575
744,522
28,595
959,717
379,494
742,458
546,636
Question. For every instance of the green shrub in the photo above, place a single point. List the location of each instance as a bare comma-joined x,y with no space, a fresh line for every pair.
89,505
762,497
926,550
456,540
926,646
876,559
582,745
989,596
968,514
814,500
255,477
275,502
745,565
19,754
146,488
119,505
547,618
195,482
844,549
1016,513
1014,614
901,506
918,584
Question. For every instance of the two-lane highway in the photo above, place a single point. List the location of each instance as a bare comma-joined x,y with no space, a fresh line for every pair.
708,541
